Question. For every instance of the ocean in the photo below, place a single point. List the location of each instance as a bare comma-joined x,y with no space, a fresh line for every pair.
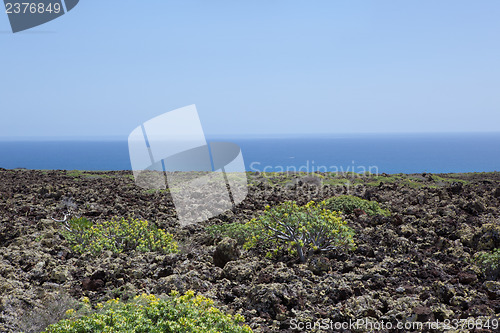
377,153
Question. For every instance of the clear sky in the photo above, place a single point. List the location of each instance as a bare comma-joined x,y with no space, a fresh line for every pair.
255,67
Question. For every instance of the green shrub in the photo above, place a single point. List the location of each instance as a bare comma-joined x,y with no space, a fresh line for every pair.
148,313
347,204
118,235
79,223
300,229
490,261
297,229
241,232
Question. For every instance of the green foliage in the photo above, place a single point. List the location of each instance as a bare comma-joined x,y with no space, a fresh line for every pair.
489,260
241,232
79,223
74,173
348,203
300,229
446,180
297,229
87,174
153,191
118,235
148,313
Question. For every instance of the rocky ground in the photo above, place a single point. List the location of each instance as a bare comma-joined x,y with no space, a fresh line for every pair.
416,265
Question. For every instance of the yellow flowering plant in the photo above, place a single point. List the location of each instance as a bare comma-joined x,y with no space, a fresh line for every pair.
298,229
188,313
118,235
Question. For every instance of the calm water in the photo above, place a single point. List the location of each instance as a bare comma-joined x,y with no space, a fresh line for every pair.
437,153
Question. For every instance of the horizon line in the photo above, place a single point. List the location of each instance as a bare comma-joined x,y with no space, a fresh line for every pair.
236,135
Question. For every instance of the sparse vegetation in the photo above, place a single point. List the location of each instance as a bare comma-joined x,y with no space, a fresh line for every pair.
148,313
402,266
241,232
347,204
154,191
87,174
489,261
74,173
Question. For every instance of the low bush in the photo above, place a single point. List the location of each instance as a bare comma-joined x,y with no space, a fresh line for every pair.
491,259
296,229
489,262
240,232
347,204
118,235
148,313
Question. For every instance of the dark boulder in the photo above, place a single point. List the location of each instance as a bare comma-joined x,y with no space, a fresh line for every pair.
227,250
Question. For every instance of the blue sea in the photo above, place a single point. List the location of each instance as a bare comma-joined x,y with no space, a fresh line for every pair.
378,153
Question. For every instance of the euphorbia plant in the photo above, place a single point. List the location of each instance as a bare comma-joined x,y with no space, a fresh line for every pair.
300,229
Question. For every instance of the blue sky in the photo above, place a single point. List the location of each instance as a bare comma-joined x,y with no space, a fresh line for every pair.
255,67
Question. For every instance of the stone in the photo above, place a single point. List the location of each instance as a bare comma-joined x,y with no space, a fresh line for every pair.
227,250
49,223
240,270
319,265
442,312
60,274
400,290
467,278
422,313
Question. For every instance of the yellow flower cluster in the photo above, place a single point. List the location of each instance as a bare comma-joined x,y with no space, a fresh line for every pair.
70,312
298,229
148,313
120,235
